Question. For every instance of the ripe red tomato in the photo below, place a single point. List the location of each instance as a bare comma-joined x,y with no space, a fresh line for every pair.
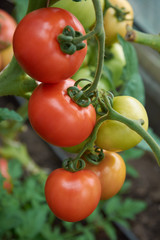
7,28
56,118
7,184
111,172
72,196
37,49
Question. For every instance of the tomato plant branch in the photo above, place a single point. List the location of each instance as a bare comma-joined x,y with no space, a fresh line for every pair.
150,40
68,164
135,125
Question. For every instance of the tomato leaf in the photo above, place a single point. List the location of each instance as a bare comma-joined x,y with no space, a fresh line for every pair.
19,9
6,114
133,84
110,230
144,146
132,171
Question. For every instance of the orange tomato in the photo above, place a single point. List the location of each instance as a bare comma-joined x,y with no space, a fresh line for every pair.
111,172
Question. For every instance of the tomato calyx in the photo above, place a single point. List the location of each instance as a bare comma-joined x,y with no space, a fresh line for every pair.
67,43
120,13
74,165
80,96
96,157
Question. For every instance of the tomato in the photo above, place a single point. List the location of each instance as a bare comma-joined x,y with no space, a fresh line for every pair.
7,184
6,56
115,136
56,118
37,49
111,172
80,10
116,63
112,26
89,73
7,28
72,196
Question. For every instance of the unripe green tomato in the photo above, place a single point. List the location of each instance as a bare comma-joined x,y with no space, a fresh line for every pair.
83,10
116,136
88,73
116,63
76,148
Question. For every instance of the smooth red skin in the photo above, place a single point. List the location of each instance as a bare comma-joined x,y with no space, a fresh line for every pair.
7,28
4,172
72,196
36,47
56,118
111,172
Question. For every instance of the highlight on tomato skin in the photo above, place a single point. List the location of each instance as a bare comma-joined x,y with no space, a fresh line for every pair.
56,118
111,172
72,196
7,184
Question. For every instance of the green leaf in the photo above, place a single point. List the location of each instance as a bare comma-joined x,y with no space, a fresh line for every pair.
133,84
132,153
112,205
132,171
6,114
126,186
110,230
33,221
15,169
20,9
129,208
144,146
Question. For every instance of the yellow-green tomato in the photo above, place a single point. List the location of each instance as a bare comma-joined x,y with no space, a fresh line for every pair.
111,24
116,136
88,73
83,10
111,172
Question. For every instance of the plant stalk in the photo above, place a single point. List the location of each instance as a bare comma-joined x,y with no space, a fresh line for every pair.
150,40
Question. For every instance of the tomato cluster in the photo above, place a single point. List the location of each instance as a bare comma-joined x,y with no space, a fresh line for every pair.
72,196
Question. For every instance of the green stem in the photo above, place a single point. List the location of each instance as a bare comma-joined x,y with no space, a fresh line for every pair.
99,33
135,125
150,40
92,138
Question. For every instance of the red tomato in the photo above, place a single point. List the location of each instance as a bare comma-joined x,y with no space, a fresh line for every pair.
56,118
37,49
7,28
4,172
111,172
72,196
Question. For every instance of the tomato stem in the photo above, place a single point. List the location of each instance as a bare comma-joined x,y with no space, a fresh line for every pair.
150,40
135,125
120,14
99,33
